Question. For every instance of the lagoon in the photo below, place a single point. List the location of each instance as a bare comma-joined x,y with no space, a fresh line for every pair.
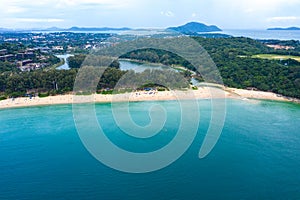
124,65
140,66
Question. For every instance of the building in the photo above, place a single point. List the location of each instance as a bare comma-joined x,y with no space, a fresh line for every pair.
30,50
43,49
23,63
7,58
2,58
32,66
3,52
58,48
29,55
26,55
20,56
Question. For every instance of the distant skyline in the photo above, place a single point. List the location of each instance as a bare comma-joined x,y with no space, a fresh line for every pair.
226,14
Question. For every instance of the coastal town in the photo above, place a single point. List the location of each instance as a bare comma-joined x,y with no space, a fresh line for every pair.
32,51
26,60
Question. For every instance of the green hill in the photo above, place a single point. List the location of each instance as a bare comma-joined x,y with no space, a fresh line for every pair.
194,27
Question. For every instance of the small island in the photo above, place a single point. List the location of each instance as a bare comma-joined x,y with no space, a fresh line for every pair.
284,29
194,27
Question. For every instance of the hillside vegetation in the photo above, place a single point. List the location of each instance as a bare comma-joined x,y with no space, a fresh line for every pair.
235,59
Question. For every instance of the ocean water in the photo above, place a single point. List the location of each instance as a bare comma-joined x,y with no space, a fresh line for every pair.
256,157
265,34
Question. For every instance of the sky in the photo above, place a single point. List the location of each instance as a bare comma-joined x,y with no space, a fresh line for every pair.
227,14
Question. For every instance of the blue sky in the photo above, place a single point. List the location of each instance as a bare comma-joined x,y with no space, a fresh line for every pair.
227,14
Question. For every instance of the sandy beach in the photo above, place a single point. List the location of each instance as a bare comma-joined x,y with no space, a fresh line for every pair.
201,93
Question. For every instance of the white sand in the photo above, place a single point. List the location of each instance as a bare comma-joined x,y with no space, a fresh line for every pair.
201,93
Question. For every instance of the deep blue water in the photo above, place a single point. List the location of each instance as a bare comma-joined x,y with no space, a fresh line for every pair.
256,157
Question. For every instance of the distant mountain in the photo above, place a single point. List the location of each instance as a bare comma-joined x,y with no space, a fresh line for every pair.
3,30
284,29
97,29
53,29
194,27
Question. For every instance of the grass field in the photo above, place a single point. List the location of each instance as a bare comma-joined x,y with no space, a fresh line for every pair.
276,57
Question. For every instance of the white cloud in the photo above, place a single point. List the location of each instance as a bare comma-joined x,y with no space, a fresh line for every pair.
36,20
254,6
167,13
249,10
265,4
283,19
92,3
13,9
63,4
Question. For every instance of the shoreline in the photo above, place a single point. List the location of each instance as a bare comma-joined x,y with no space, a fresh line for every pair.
204,92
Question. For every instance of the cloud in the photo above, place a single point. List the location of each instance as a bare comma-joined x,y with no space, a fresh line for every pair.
283,19
13,9
93,3
255,6
265,4
63,4
249,10
37,20
167,13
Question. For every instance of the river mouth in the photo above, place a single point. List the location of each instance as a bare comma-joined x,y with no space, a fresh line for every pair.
65,66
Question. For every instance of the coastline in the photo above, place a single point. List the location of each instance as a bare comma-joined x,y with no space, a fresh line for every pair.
205,92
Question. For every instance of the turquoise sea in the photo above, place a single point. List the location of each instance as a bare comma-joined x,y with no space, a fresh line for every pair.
256,157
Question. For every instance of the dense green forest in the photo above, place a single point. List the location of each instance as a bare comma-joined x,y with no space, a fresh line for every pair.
75,62
54,82
232,56
7,66
50,82
238,69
